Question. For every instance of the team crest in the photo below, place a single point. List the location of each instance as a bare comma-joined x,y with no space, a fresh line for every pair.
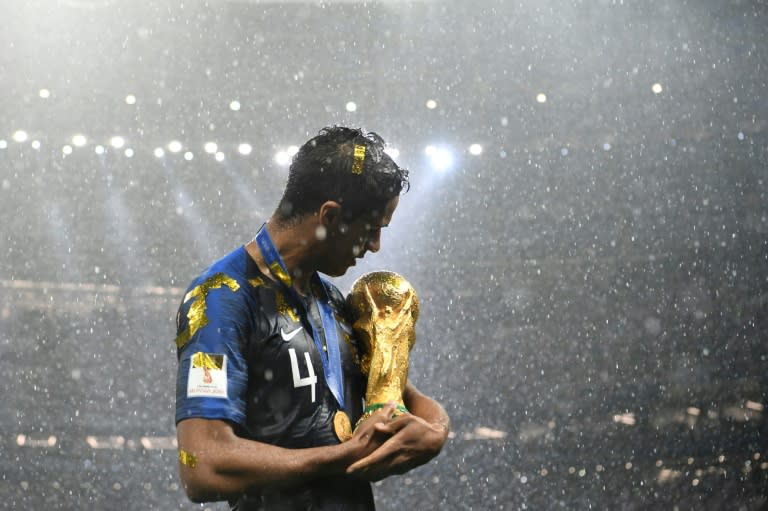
207,375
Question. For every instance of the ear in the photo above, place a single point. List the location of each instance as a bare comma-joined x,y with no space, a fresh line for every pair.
329,214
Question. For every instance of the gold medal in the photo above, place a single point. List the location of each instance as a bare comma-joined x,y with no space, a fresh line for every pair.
342,426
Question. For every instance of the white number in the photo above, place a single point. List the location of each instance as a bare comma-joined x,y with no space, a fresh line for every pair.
298,381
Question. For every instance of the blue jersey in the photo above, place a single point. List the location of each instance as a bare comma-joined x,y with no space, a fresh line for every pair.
247,356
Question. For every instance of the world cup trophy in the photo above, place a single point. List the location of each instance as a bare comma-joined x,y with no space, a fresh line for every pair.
384,309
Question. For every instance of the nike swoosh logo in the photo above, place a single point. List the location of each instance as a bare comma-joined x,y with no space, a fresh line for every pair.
290,335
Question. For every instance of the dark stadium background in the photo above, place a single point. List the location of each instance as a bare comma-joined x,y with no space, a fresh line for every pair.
593,272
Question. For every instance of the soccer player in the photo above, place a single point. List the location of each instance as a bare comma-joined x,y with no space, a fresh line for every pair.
268,383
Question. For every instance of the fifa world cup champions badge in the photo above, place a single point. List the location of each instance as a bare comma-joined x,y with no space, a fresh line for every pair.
385,308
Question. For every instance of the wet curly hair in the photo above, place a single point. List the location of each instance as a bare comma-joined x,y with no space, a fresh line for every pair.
325,169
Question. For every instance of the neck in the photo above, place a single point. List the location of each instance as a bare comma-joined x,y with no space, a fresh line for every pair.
294,247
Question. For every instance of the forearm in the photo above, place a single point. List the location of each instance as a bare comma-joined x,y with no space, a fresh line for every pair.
426,408
221,464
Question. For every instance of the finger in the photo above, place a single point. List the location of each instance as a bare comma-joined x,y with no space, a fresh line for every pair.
387,410
392,426
386,450
380,416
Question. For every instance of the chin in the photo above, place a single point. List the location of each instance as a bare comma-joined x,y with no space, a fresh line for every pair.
335,272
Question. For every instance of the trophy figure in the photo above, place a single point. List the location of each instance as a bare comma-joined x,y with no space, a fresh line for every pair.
384,309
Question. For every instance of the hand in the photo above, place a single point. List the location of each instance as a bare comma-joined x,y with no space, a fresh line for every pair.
367,436
413,442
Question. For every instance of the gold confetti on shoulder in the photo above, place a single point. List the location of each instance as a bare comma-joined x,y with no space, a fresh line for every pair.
196,313
284,308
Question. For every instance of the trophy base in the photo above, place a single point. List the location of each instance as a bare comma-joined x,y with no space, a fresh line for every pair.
371,409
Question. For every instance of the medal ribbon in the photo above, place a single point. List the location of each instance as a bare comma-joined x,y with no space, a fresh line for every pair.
334,377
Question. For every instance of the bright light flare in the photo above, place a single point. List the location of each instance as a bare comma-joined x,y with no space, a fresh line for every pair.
476,149
159,152
625,418
282,158
439,157
20,136
351,106
244,149
117,142
79,140
130,99
211,147
44,93
234,105
174,146
431,104
657,88
24,440
541,97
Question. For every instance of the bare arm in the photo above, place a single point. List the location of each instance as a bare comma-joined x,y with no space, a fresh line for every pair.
218,464
416,438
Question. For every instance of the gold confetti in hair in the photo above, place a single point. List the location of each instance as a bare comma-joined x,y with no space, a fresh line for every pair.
357,164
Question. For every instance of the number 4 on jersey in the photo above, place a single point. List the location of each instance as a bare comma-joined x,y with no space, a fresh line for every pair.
298,381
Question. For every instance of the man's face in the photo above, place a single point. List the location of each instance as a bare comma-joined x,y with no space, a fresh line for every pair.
354,238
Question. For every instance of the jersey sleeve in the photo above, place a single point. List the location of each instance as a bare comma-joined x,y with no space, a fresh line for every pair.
212,327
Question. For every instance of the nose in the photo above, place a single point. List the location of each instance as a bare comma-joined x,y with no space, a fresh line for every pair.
373,243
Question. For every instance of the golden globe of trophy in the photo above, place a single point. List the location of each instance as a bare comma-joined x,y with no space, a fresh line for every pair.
384,309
